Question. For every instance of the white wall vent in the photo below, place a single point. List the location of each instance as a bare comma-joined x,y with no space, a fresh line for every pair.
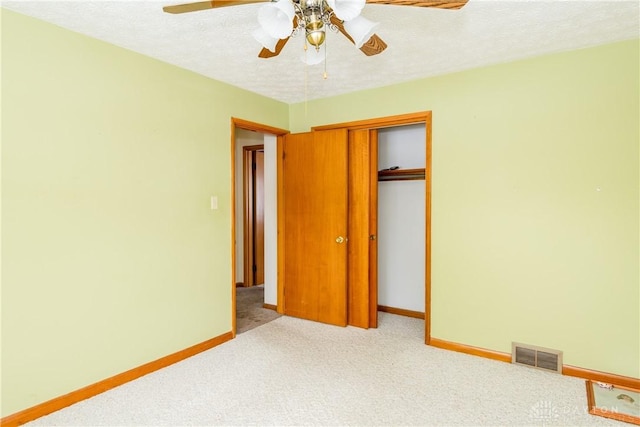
536,357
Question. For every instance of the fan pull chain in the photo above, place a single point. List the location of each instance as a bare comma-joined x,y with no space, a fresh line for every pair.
324,76
306,78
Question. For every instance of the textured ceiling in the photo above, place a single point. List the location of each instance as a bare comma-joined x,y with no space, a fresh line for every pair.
422,42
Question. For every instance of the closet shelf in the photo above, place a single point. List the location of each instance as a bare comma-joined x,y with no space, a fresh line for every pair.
401,175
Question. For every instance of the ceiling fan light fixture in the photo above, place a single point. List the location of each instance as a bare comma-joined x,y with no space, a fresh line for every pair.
276,18
346,10
265,39
360,29
281,19
315,33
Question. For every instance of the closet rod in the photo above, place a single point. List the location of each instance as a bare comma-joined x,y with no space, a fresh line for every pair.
401,175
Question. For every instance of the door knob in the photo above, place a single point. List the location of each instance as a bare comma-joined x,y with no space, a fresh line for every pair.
340,239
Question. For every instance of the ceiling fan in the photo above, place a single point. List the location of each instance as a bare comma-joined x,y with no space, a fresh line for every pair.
281,19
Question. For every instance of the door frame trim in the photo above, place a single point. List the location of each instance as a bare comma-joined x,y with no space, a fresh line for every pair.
237,123
400,120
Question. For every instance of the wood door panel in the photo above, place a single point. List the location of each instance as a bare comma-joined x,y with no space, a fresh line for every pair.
359,213
315,214
373,228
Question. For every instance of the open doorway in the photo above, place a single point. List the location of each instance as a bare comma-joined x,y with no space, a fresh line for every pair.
254,224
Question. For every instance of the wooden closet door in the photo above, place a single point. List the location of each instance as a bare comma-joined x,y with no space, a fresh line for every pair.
315,183
362,256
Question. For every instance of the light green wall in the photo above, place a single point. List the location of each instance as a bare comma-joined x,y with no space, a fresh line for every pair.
524,246
111,255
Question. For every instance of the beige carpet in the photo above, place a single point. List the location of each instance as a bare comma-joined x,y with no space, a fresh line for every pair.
250,312
293,372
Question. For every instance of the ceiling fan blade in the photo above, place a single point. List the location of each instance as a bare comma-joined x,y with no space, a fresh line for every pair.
266,53
373,46
423,3
204,5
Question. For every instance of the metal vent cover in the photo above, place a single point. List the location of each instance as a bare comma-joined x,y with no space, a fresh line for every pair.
536,357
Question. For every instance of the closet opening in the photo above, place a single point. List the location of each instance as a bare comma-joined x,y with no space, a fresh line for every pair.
367,175
401,220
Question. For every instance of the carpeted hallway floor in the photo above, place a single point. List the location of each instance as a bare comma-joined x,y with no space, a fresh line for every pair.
250,312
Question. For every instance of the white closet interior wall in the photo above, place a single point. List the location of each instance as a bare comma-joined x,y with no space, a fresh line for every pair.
401,220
